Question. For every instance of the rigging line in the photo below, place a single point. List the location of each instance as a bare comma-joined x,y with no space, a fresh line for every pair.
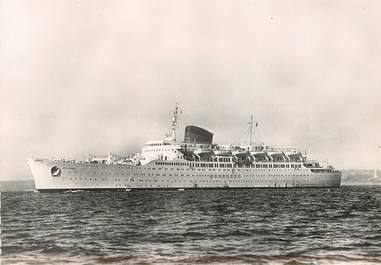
238,139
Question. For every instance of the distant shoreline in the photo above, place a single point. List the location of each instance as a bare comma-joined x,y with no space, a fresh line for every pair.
17,185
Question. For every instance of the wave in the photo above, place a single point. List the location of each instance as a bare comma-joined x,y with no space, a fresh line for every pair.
219,227
242,259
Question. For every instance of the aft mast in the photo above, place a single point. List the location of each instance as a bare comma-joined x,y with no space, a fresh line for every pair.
251,128
174,121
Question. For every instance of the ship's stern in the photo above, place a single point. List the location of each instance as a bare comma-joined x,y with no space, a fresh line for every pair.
336,178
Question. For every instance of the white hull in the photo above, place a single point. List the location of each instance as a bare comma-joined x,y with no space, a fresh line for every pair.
176,174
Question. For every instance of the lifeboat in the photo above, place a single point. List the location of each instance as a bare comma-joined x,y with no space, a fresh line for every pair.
296,157
260,156
242,155
278,157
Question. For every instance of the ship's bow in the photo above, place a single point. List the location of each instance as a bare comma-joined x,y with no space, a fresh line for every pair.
42,174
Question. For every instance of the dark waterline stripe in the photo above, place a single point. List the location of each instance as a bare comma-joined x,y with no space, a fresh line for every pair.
176,189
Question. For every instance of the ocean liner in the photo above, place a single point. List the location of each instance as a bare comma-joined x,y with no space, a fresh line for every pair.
194,163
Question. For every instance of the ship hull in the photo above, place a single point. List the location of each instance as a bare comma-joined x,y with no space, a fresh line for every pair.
58,176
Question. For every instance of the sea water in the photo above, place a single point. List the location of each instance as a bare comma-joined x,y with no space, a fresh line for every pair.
227,226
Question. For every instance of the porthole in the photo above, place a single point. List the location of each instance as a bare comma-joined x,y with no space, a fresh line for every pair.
55,171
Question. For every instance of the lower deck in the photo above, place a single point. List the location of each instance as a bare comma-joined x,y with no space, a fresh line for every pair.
175,175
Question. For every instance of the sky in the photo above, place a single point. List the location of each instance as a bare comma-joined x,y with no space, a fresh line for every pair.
97,76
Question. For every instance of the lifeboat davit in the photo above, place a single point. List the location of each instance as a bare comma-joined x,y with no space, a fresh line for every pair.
222,150
203,152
